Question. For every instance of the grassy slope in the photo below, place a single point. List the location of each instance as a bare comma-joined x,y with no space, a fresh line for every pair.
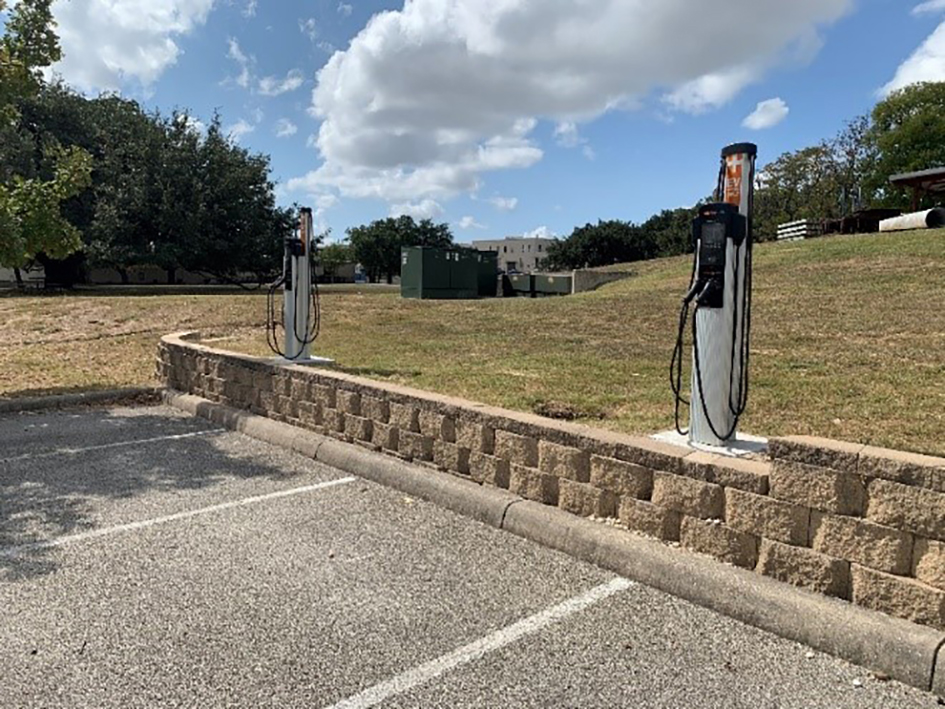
849,342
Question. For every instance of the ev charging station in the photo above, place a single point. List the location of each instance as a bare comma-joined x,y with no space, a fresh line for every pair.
301,307
720,296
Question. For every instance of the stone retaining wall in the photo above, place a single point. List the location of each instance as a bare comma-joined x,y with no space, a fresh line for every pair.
851,521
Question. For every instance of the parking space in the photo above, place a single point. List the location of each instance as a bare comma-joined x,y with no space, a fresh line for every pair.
150,559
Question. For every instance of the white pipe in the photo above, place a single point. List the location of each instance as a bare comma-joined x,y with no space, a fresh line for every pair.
928,219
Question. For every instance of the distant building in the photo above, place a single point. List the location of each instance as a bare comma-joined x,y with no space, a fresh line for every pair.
517,253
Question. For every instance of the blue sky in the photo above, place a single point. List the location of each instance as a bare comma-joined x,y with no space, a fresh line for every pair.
504,117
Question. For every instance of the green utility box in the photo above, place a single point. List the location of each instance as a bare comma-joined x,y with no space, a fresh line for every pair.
439,274
552,285
488,273
522,284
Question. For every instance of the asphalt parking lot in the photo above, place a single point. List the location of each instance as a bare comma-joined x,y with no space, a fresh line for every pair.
149,559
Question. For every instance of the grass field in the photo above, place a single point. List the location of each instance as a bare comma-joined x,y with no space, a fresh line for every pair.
848,342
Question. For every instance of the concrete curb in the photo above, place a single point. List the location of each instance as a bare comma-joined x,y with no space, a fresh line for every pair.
902,650
64,401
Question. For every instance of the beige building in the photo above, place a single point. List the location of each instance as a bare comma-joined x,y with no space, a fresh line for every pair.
517,253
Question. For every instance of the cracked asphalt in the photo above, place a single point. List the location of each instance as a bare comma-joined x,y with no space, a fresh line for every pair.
148,559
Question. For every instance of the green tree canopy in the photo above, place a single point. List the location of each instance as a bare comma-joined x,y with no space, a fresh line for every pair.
334,256
601,244
30,218
377,245
908,133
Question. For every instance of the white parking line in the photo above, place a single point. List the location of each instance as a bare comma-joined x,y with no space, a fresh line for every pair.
469,653
105,446
132,526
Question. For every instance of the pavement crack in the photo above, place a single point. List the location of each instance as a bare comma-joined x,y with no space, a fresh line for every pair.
505,512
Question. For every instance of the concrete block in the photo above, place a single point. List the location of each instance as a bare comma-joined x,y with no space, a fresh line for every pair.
819,488
437,426
911,509
333,421
488,470
621,478
326,395
358,427
415,446
532,484
475,436
900,597
744,474
311,413
385,435
299,389
564,462
818,452
717,540
349,402
805,568
449,456
375,408
649,519
899,466
655,455
766,517
518,450
865,543
929,562
585,500
405,417
690,497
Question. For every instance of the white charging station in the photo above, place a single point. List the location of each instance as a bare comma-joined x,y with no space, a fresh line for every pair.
301,307
720,290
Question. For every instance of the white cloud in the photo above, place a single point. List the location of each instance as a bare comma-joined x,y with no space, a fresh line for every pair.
767,114
711,90
541,232
196,125
245,62
239,129
927,63
425,209
274,86
504,204
250,9
469,223
107,43
345,9
325,201
311,141
427,99
285,128
309,27
326,47
929,7
567,136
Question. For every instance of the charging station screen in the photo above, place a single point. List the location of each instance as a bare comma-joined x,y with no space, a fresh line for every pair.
712,252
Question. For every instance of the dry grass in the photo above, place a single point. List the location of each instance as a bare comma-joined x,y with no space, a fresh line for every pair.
849,342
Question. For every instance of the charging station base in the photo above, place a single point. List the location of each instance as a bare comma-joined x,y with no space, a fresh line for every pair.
744,445
309,362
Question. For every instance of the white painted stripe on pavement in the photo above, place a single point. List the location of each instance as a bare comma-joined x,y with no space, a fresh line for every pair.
132,526
118,444
470,653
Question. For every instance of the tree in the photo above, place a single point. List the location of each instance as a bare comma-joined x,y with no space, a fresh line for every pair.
601,244
908,134
377,245
671,230
333,256
30,218
798,185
